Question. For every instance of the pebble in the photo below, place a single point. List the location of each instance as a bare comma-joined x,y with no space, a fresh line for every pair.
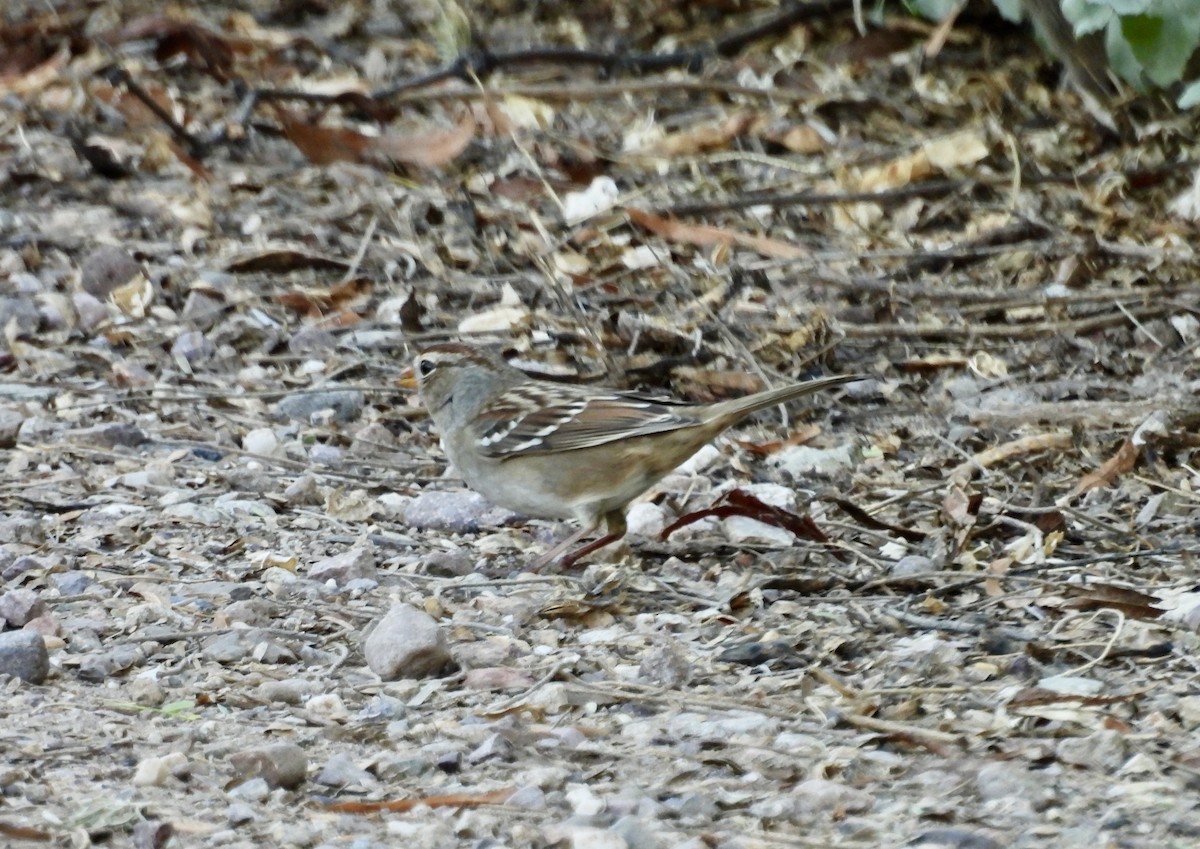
912,564
407,643
814,796
239,813
154,772
805,460
18,607
289,691
1103,750
583,802
20,565
355,563
666,665
954,838
108,436
261,441
105,269
23,655
341,771
254,790
528,798
459,512
279,765
10,425
495,747
346,404
91,310
192,346
646,519
637,832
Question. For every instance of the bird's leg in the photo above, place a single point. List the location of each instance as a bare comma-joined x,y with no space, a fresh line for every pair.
616,529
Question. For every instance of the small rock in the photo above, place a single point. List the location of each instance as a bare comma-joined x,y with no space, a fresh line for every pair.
954,838
1103,750
311,338
912,564
805,460
495,747
815,796
227,649
646,519
239,813
358,562
407,643
10,426
20,314
290,691
91,310
327,707
342,771
18,566
23,654
201,308
193,346
326,455
583,802
637,832
261,441
108,436
280,765
449,564
254,790
254,612
72,583
154,772
46,625
346,404
528,798
22,528
666,665
152,834
19,606
105,269
497,678
304,490
458,512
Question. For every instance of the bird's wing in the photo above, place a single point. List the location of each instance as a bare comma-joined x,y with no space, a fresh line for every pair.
536,420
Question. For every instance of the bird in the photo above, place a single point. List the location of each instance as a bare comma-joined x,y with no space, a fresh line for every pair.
556,451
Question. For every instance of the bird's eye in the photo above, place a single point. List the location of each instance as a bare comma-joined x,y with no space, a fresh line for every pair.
425,367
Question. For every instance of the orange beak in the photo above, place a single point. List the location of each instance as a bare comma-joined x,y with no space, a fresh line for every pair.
408,379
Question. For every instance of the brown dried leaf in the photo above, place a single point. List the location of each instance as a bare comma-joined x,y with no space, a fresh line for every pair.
702,235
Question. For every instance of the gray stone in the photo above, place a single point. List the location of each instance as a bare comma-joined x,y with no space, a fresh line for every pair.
19,606
23,654
105,269
407,643
19,315
358,562
342,771
346,404
459,512
280,765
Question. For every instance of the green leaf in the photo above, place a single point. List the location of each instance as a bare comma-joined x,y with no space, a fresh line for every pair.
934,10
1161,45
1121,58
1010,10
1086,16
1190,96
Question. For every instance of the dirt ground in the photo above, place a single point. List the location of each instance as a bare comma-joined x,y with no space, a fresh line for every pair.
218,251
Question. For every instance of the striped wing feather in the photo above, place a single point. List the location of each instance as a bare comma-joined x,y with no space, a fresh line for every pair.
531,420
